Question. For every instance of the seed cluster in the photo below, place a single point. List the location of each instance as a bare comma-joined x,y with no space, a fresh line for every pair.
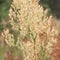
33,29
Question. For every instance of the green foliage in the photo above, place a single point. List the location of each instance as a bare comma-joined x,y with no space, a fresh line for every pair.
1,27
18,52
4,8
42,53
2,1
15,34
8,25
49,12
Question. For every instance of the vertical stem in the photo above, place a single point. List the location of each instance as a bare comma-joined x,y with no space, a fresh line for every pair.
35,55
35,50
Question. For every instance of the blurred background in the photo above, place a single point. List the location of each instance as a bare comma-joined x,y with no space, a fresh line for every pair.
52,5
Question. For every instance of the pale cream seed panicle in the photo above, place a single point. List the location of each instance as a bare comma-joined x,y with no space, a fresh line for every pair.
29,18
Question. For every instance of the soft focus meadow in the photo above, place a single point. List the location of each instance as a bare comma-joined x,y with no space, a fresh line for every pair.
29,33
